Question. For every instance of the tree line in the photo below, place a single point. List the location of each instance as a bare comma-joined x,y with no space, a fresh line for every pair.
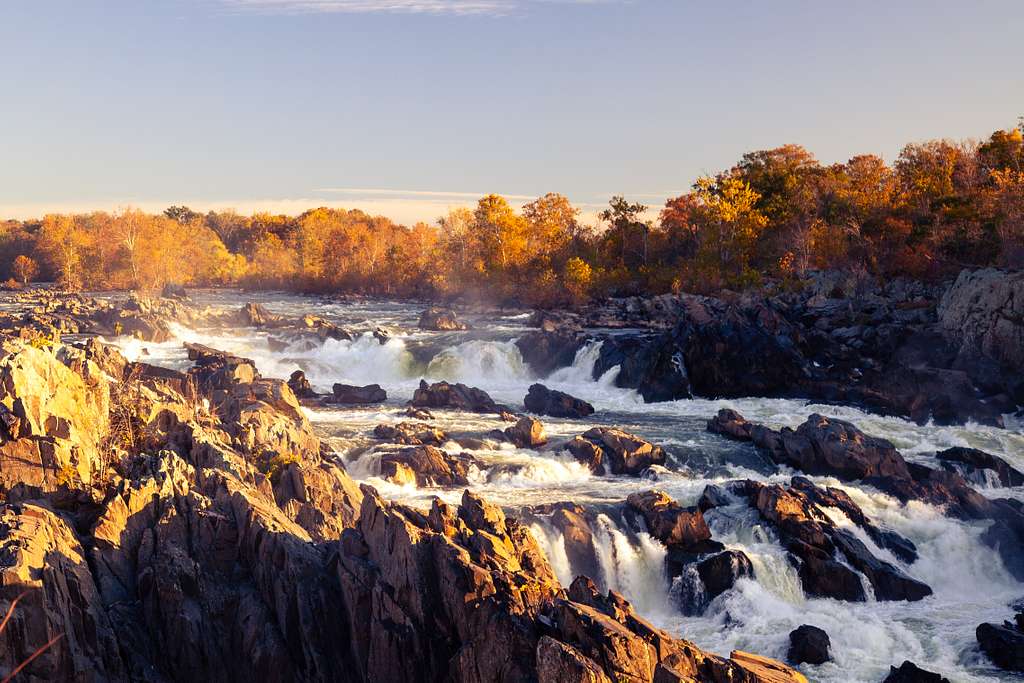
943,205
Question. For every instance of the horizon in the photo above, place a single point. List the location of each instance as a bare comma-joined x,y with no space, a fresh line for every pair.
287,105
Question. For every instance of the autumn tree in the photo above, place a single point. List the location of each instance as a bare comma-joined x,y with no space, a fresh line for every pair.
24,268
730,223
62,244
627,234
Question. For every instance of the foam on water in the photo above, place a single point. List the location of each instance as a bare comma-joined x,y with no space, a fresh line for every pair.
970,584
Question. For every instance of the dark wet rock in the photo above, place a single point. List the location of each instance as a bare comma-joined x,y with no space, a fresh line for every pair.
889,582
300,386
1004,643
668,521
679,558
356,395
453,396
174,291
813,540
544,401
410,434
808,644
823,445
713,496
720,572
425,466
546,351
651,365
908,672
216,369
901,547
606,448
973,465
527,432
441,320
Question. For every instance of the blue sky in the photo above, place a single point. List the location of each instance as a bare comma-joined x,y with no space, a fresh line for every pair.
407,107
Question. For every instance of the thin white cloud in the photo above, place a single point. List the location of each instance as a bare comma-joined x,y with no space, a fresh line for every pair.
415,193
300,7
456,7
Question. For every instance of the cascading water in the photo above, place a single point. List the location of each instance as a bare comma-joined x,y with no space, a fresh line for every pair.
969,583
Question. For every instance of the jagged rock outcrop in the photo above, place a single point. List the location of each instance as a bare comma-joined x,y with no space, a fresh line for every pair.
453,396
410,434
605,449
813,541
984,311
425,466
980,467
440,320
543,401
545,351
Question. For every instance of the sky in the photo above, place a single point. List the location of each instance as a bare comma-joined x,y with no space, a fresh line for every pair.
406,108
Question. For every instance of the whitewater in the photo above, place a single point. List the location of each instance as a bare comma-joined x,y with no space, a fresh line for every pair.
969,582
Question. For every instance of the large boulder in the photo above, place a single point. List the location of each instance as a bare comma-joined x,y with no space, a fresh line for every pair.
453,396
808,644
607,448
543,401
425,466
668,521
980,467
53,420
441,320
984,311
545,351
410,434
527,432
1004,643
355,395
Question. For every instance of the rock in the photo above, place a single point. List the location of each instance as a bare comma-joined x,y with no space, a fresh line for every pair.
355,395
300,386
729,423
173,291
808,644
546,351
812,539
908,672
256,315
543,401
418,413
713,496
701,582
654,366
984,311
441,320
975,465
561,663
766,670
411,434
667,521
53,422
453,396
823,445
527,432
425,466
1004,644
619,451
43,562
573,522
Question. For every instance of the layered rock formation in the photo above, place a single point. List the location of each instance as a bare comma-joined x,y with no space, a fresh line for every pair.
190,526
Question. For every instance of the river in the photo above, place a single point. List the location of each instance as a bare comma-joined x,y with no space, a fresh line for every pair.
970,584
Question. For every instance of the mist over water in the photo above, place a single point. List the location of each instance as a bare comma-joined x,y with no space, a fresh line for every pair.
969,582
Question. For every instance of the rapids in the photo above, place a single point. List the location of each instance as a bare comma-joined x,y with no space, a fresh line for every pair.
970,584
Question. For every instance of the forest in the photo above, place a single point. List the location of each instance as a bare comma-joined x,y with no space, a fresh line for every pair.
941,206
